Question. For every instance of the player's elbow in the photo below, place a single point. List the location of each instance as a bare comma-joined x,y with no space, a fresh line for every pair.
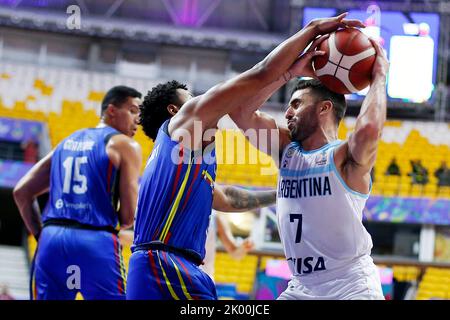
19,193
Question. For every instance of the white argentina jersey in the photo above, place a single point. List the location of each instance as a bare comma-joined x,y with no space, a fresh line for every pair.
319,216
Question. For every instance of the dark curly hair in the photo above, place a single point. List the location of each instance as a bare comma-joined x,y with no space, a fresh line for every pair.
154,107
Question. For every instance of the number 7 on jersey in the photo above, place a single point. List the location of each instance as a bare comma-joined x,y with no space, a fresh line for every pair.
298,234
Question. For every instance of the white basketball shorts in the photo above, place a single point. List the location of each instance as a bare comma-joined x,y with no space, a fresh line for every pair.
359,280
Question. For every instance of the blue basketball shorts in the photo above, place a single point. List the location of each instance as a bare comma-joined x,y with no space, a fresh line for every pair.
160,275
70,260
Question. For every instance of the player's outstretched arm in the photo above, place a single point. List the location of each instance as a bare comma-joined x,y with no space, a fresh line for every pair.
233,199
247,116
125,154
33,184
225,97
360,151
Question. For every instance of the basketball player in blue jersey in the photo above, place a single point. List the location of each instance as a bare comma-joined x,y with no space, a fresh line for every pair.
87,175
177,190
324,182
174,207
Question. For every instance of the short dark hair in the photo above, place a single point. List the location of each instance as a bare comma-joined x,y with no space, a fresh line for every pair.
118,95
323,93
154,107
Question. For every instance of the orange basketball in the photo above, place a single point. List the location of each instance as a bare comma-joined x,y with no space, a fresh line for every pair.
347,64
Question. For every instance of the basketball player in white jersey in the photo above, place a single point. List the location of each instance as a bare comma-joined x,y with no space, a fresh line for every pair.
324,182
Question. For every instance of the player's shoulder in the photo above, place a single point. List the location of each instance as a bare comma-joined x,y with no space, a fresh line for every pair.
289,147
124,143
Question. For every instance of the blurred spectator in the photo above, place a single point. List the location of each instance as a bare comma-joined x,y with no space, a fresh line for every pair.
418,173
237,250
4,293
443,175
393,169
30,151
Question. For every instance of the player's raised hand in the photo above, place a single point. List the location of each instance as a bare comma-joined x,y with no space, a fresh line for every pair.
302,67
381,65
328,25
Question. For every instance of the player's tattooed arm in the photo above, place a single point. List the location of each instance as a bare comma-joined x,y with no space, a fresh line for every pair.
233,199
245,199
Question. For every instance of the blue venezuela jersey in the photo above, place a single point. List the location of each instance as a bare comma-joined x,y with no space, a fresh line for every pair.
175,197
83,181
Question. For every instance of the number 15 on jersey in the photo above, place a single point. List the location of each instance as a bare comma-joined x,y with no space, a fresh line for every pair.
78,181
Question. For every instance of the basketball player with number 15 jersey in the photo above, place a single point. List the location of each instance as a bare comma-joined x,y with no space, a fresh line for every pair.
87,174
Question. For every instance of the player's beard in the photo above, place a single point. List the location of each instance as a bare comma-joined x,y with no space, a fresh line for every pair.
306,126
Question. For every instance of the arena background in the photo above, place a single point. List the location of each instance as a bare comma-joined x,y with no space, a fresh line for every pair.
57,59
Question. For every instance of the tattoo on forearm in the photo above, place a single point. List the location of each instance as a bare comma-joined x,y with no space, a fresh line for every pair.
243,199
